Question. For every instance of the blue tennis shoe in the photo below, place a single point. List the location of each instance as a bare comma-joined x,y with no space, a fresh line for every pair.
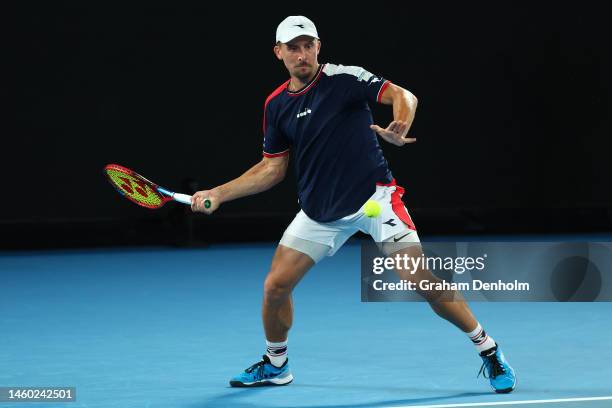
263,373
497,370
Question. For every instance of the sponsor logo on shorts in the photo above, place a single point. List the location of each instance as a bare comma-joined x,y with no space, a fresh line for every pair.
390,222
403,236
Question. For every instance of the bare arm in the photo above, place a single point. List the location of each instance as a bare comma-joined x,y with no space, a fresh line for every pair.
404,107
261,177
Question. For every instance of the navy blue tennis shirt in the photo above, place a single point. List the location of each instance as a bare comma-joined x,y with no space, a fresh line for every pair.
326,126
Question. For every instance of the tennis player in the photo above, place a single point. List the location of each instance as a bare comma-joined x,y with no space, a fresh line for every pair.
321,116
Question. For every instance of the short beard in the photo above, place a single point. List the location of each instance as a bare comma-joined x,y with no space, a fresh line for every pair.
302,76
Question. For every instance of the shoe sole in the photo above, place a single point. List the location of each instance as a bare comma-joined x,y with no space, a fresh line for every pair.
272,382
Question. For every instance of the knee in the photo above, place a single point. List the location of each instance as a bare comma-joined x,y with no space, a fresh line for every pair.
433,298
275,290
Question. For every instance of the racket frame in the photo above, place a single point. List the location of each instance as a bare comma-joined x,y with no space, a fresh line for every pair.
164,194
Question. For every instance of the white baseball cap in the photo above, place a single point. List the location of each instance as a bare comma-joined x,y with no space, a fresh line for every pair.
294,26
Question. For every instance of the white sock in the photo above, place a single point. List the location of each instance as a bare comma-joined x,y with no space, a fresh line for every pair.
276,352
481,339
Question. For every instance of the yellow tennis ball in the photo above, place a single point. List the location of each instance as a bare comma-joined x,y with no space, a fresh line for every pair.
371,209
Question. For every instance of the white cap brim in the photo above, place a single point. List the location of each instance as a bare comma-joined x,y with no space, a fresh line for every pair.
288,36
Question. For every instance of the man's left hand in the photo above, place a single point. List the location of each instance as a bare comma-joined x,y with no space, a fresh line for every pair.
395,133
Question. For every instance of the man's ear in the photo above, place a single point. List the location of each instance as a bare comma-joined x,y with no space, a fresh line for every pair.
277,52
319,47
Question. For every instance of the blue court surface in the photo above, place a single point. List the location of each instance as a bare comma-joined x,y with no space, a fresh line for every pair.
159,327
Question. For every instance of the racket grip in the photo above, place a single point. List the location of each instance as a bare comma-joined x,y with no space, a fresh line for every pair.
182,198
186,199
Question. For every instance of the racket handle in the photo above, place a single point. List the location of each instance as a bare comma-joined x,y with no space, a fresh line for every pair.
186,199
182,198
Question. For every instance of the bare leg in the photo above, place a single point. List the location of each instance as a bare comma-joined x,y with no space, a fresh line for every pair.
288,268
449,305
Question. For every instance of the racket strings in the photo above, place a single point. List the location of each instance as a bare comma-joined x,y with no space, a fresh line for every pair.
134,188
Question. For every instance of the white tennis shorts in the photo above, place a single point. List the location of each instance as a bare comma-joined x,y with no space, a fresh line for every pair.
320,239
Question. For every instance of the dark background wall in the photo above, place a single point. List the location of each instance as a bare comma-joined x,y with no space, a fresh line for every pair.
513,123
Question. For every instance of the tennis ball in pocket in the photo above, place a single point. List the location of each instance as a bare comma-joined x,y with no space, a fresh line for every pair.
371,209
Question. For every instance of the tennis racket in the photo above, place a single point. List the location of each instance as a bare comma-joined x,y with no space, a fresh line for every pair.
141,191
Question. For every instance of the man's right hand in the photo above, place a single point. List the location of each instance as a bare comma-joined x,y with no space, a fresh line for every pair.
197,201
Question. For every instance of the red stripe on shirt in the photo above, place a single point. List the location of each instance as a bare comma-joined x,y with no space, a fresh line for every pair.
279,154
382,90
310,85
273,95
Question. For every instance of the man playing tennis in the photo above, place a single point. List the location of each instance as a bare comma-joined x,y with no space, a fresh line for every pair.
321,115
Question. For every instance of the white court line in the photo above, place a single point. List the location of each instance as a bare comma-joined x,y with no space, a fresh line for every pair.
490,404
